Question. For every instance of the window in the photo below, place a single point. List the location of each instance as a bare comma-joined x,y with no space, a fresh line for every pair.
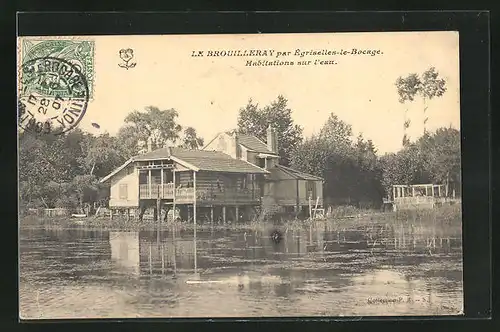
311,189
262,162
143,177
123,191
244,182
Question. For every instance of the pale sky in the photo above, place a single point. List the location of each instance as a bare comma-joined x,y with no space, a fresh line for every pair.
208,91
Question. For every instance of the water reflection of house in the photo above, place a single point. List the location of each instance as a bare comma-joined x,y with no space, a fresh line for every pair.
125,249
168,254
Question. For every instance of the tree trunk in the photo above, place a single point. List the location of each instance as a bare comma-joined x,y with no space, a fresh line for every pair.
405,127
425,118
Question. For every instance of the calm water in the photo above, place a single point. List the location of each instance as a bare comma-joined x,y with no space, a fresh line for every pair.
104,274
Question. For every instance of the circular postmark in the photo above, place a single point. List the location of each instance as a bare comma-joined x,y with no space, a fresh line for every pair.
53,96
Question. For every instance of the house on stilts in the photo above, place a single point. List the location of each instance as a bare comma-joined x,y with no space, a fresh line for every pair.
233,177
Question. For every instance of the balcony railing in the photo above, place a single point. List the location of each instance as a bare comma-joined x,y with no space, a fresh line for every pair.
165,191
153,191
230,196
184,195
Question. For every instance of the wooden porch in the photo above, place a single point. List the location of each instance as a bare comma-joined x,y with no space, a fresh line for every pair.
420,196
203,196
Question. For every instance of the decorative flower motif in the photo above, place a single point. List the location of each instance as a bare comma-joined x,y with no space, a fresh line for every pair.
126,55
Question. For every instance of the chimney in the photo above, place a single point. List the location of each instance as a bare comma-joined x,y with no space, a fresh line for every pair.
272,141
237,151
150,144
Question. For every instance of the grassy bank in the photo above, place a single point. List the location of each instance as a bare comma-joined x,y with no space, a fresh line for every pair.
446,219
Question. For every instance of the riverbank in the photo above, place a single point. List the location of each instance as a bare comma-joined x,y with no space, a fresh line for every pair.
444,219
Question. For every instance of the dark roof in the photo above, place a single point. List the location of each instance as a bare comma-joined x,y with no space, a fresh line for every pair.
204,160
294,174
253,143
163,153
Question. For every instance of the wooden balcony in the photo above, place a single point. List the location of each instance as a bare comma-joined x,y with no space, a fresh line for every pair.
229,196
203,196
154,191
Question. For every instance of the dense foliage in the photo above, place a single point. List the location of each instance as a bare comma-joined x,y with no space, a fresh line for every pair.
64,170
254,120
350,168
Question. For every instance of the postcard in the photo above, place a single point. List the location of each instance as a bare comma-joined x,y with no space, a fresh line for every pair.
239,175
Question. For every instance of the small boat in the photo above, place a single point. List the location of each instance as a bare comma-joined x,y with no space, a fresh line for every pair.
196,282
74,215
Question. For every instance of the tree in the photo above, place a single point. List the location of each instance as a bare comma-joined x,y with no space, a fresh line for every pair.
158,126
191,139
351,170
431,86
433,158
35,169
85,189
441,154
101,155
128,140
428,86
337,132
60,171
407,88
253,120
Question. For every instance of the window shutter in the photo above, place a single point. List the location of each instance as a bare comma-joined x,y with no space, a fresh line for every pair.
123,191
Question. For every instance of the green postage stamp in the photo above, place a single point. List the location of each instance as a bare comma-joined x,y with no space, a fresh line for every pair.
78,52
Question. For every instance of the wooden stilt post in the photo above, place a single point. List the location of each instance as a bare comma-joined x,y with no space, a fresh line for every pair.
211,214
149,183
315,207
237,211
175,250
110,214
158,206
175,192
163,259
128,214
194,221
412,191
161,181
194,199
310,208
224,214
150,259
432,191
158,214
